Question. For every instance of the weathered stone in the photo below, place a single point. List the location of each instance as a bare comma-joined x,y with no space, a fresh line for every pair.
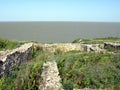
115,45
50,76
13,57
65,47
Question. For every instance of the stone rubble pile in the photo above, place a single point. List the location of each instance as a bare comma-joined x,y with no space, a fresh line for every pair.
13,57
51,78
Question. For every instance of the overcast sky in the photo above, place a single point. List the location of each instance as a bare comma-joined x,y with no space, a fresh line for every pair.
60,10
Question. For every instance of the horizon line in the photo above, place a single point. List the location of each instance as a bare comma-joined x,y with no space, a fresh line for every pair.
62,21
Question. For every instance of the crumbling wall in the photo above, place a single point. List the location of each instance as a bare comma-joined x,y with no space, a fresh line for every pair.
65,47
98,48
50,76
14,57
112,45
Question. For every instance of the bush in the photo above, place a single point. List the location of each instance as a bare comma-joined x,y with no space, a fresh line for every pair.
7,44
91,70
68,85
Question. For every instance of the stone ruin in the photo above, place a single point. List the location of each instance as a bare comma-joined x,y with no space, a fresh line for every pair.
114,45
50,76
65,47
13,57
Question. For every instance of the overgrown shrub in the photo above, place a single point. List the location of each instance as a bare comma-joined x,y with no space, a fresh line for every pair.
91,70
7,44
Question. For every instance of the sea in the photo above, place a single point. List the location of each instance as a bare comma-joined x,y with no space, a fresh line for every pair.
58,32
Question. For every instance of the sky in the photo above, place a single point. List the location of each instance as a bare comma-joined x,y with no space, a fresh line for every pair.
60,10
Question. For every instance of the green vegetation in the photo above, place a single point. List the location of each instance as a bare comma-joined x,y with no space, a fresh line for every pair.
77,40
108,38
8,44
92,70
25,76
112,49
96,40
77,69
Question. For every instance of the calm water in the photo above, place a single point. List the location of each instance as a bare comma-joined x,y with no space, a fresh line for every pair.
57,31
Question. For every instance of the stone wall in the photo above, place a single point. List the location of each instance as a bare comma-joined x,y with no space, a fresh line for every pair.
50,77
112,45
13,57
98,48
65,47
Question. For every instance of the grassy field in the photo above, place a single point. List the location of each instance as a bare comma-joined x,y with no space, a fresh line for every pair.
91,70
77,70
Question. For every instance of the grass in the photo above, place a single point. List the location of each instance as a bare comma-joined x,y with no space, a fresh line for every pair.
26,76
91,70
97,40
112,49
77,70
9,44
